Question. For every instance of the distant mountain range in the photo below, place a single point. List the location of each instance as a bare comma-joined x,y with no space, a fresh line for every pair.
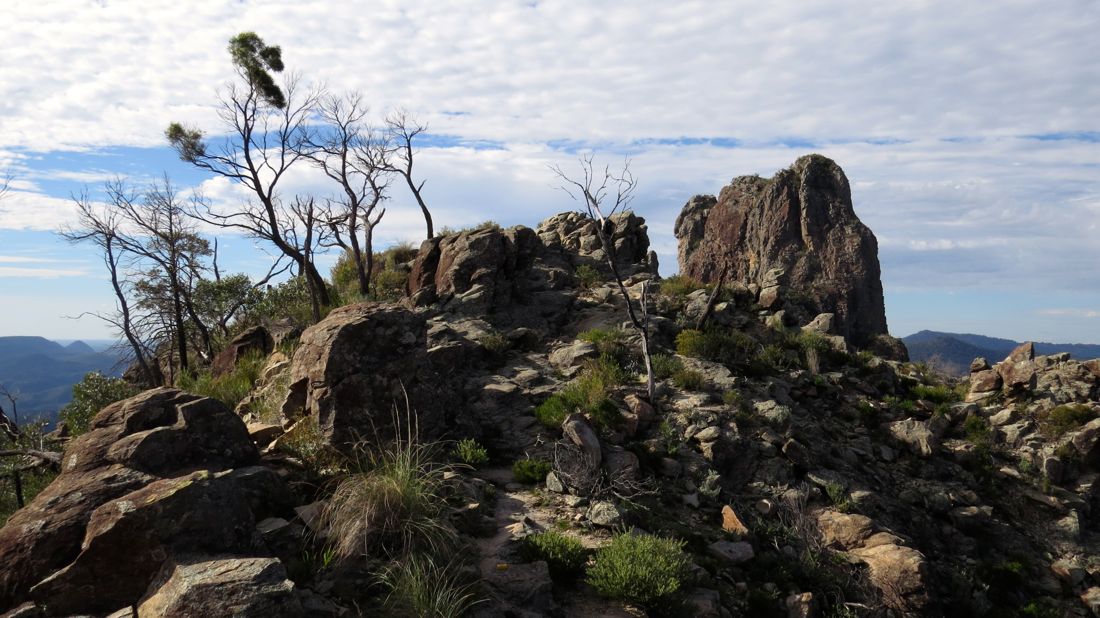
42,372
954,351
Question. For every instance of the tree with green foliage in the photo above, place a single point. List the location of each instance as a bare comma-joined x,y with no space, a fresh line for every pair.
95,392
267,129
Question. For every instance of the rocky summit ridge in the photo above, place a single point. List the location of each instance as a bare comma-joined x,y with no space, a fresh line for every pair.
781,468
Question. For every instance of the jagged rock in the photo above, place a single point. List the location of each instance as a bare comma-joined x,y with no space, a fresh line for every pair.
256,340
916,435
521,589
353,370
1019,371
901,573
845,530
577,429
128,539
604,513
704,603
1087,441
569,358
575,233
823,324
161,433
222,586
800,221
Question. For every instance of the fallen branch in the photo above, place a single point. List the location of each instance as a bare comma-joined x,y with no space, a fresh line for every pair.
52,458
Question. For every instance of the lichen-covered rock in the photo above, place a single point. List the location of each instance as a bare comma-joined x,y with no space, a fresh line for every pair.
134,444
801,222
256,340
355,370
222,586
576,234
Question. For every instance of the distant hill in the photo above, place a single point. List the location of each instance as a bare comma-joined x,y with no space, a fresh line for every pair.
43,372
954,351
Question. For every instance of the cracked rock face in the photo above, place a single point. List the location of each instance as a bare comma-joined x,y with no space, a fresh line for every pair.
800,222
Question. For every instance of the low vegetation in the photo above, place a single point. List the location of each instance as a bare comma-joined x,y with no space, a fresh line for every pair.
564,555
421,586
230,388
95,392
470,452
588,394
639,568
531,471
1065,418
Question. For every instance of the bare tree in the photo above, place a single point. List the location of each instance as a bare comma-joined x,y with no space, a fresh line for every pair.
605,194
306,233
267,131
356,158
101,227
10,426
5,184
404,130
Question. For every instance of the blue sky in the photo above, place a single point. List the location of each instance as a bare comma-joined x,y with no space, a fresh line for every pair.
969,131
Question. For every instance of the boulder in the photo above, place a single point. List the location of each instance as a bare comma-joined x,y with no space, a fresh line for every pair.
356,370
900,573
149,467
916,435
802,222
256,340
731,552
222,586
575,234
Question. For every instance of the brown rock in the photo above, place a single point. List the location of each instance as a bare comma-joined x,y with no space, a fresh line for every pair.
844,530
223,586
732,523
984,381
353,370
802,605
160,433
900,573
800,221
255,340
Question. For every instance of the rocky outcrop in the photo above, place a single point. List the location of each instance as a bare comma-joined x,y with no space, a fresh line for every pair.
157,474
222,586
800,224
1055,378
356,370
256,340
519,276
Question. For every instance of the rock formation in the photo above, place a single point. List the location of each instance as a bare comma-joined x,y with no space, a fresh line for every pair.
159,475
796,230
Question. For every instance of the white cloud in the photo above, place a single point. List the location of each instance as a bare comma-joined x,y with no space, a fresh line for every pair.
1070,313
39,273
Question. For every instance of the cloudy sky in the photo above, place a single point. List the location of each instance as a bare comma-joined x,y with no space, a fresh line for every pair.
970,131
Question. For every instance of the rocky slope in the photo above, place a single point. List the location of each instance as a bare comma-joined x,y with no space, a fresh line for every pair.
804,478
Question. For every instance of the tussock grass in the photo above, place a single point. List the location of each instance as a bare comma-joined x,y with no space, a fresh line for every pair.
420,586
230,388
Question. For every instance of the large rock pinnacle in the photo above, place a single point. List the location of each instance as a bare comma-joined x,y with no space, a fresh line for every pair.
802,222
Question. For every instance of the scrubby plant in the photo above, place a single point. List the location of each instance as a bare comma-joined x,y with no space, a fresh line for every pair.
587,394
496,344
729,347
95,392
1066,418
711,485
420,586
229,388
733,398
564,555
838,497
976,429
670,437
470,452
609,342
688,379
484,225
679,286
772,357
665,365
936,393
587,276
639,568
393,501
531,471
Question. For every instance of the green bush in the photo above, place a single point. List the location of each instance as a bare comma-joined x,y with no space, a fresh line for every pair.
563,554
587,276
688,379
976,429
665,365
1066,418
773,357
229,388
470,452
418,586
727,347
484,225
531,470
608,341
95,392
587,394
641,569
496,344
935,393
286,300
679,286
733,399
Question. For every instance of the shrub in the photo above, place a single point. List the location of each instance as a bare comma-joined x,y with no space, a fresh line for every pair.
531,470
393,503
733,399
95,392
838,497
484,225
563,554
688,379
665,365
587,276
609,342
727,347
587,394
1066,418
286,300
418,586
679,286
388,284
638,568
670,437
976,429
470,452
935,393
496,344
772,357
229,388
